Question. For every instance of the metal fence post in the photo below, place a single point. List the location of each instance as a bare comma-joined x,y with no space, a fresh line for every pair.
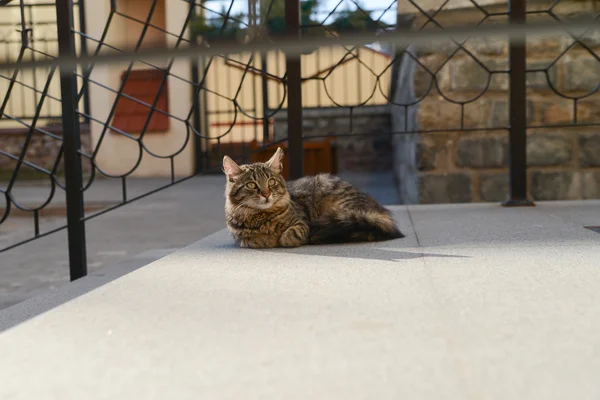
518,112
71,144
199,162
294,83
265,96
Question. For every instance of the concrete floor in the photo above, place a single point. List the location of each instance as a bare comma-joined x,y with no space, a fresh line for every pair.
134,235
477,302
137,233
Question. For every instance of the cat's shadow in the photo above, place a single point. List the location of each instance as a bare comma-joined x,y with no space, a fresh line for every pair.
365,251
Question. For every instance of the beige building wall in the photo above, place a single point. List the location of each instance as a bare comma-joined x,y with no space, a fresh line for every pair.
405,7
23,99
336,77
118,154
234,97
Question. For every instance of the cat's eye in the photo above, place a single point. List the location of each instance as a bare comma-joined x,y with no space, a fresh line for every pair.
251,185
272,182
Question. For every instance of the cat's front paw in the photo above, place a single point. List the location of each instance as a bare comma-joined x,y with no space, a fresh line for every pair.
295,236
258,242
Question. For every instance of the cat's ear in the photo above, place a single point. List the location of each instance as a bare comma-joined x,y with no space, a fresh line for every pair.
230,168
275,163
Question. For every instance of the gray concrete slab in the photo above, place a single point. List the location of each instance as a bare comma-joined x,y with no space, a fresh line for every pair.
167,220
490,224
170,219
461,308
525,319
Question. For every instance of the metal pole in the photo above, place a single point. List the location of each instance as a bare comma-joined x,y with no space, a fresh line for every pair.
71,144
265,96
294,83
196,116
196,120
518,112
83,41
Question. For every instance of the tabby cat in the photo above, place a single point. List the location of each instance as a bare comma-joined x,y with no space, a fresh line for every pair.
262,211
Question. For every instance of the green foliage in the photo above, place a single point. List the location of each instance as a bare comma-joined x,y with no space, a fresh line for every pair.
274,13
218,27
354,21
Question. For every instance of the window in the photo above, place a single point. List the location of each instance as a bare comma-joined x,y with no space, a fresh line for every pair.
143,85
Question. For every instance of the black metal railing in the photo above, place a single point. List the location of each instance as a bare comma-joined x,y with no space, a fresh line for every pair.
33,37
276,89
518,113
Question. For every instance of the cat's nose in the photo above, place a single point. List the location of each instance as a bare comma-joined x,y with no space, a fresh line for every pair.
266,195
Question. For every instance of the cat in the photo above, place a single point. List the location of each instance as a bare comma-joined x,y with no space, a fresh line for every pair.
263,211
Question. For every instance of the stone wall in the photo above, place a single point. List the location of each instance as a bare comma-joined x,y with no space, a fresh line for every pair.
42,151
563,165
361,142
469,100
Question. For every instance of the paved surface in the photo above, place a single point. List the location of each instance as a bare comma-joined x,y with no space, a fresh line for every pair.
136,234
477,302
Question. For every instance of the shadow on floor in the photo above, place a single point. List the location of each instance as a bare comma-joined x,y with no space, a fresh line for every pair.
365,251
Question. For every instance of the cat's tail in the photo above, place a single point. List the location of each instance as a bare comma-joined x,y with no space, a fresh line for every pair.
371,226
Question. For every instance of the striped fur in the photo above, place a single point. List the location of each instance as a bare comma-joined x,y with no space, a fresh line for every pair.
263,211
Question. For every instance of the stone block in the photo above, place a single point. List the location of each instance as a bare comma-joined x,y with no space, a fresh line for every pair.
447,188
431,62
280,130
423,82
360,122
476,113
494,187
42,151
582,72
589,150
487,46
341,125
426,155
375,124
433,152
484,152
530,112
498,116
499,81
485,112
438,114
547,44
322,124
559,111
436,47
559,185
309,125
539,80
591,184
590,39
588,110
425,73
364,154
6,164
549,149
467,74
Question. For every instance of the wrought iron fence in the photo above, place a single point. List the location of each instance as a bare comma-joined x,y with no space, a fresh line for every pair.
32,36
259,77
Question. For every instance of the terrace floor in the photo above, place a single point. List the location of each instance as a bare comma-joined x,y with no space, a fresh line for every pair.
140,232
477,302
